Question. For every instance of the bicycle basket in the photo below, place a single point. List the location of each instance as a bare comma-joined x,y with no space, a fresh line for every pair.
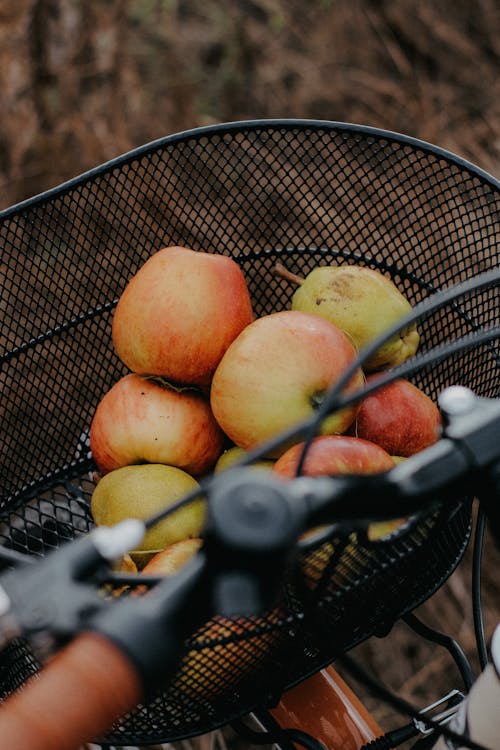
305,193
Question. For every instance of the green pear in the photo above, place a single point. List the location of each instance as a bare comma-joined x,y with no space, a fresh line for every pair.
231,456
362,302
140,491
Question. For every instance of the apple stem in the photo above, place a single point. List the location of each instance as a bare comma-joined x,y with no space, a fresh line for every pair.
284,273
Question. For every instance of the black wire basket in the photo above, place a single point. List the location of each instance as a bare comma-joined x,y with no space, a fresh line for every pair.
302,192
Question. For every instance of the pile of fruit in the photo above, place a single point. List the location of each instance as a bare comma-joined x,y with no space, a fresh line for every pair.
208,381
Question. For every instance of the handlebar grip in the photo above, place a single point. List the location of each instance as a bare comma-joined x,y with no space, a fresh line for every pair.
76,698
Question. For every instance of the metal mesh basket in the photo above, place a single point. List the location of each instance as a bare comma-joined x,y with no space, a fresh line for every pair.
302,192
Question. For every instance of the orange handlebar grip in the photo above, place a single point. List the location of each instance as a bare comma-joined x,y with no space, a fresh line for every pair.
76,698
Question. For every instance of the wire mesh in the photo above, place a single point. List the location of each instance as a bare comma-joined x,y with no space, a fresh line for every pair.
304,193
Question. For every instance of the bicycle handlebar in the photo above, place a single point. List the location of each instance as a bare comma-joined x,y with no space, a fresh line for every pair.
253,526
54,713
110,670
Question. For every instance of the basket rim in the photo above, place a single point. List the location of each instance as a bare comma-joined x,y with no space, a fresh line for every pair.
248,125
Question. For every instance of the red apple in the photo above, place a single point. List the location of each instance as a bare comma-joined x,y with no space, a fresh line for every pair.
141,421
400,417
226,653
276,373
335,454
228,649
179,313
329,455
171,559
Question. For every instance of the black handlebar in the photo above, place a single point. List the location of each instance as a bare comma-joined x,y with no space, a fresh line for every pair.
254,523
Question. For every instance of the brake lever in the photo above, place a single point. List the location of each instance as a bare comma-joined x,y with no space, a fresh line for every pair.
49,602
474,423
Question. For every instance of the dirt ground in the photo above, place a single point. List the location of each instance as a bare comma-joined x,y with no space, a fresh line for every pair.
82,82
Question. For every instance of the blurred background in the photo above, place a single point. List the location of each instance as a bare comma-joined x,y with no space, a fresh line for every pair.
84,81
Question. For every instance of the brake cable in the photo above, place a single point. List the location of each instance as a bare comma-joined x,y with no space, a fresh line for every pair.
449,643
428,305
477,610
402,705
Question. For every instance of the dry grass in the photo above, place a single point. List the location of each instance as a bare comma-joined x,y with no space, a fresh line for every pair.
83,82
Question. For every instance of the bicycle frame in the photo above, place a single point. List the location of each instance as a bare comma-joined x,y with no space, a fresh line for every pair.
326,708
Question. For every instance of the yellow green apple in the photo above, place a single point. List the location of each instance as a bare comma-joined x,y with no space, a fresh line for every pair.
233,455
142,491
